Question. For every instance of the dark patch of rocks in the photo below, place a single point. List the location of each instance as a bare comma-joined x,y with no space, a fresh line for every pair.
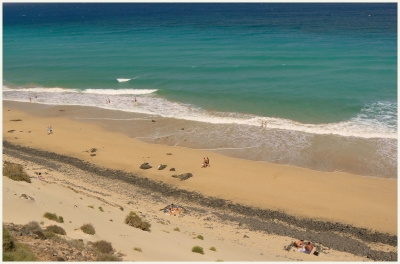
335,235
183,176
161,167
145,166
172,169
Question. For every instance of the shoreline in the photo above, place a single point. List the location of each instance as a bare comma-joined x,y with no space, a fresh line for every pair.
337,197
330,238
339,156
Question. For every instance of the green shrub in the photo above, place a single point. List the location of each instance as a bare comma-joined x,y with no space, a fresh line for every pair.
198,249
107,257
200,237
91,206
137,249
56,229
54,217
103,246
21,252
8,242
134,220
213,249
101,209
15,172
88,229
177,229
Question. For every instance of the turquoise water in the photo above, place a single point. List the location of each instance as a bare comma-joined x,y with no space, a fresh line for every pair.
318,69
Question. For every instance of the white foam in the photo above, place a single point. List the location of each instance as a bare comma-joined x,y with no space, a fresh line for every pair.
123,80
376,120
120,91
42,90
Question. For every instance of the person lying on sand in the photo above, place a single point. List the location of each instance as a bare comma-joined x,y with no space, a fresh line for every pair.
309,247
40,177
299,244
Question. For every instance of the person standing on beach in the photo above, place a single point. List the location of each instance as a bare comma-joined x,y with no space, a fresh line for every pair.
208,162
30,99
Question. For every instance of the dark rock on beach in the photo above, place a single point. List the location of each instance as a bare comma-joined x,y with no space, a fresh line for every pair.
183,176
172,169
161,167
145,166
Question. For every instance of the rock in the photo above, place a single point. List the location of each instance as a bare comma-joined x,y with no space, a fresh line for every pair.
172,169
169,153
153,120
93,150
145,166
245,236
92,155
24,195
161,167
183,176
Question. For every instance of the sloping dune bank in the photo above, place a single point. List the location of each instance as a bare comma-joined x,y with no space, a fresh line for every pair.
276,204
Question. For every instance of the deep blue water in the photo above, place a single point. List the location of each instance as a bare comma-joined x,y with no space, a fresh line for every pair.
316,68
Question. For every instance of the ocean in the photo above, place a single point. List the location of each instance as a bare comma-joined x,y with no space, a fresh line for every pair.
323,76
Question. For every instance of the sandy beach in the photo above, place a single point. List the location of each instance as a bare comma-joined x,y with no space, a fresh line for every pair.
365,203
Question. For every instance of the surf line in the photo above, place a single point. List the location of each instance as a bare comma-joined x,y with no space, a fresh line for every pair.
118,119
231,148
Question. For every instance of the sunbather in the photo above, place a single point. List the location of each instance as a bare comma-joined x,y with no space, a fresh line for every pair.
309,247
299,244
40,177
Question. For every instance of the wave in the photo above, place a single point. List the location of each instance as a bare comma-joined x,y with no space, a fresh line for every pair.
120,91
375,120
42,90
123,80
87,91
126,79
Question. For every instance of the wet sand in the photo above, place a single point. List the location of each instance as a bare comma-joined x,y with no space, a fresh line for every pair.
345,199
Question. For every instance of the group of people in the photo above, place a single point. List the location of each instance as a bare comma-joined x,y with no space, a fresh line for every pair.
172,209
306,248
263,123
49,130
206,163
108,101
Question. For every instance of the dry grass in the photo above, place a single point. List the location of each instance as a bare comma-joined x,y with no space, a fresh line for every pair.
15,172
137,249
177,229
54,217
56,229
198,249
134,220
103,247
213,249
88,229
